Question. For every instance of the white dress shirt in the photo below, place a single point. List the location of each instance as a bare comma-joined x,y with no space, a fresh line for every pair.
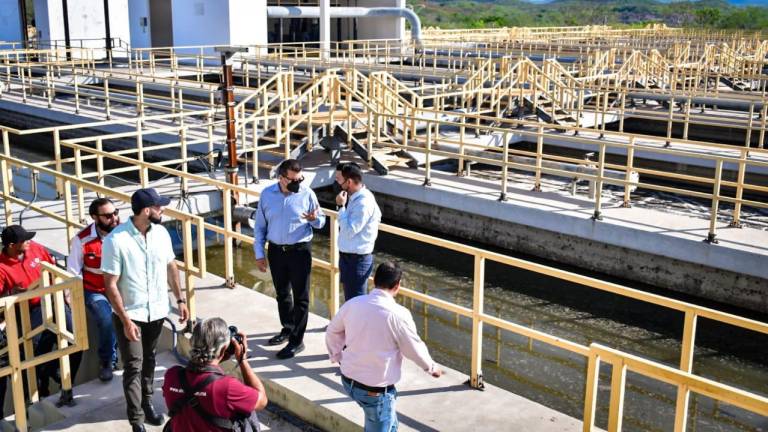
359,223
369,337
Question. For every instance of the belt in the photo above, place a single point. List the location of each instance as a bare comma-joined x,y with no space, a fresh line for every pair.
362,386
290,247
353,254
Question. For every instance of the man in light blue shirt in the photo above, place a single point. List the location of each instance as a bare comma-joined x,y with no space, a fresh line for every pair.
287,213
139,264
359,218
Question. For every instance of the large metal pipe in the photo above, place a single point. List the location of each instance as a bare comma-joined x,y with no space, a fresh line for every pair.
350,12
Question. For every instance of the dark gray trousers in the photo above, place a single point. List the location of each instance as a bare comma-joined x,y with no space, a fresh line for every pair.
138,365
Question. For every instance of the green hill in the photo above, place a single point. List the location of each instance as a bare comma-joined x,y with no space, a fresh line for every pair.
509,13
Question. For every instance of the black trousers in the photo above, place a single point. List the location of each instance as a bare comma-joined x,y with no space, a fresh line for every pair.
138,365
290,274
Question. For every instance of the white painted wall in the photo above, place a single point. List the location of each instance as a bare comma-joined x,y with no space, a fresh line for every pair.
248,22
119,20
10,21
49,19
200,22
139,34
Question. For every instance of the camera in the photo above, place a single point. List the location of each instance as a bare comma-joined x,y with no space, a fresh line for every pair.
233,333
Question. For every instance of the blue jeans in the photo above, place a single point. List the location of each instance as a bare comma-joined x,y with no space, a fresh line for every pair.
354,272
101,313
379,410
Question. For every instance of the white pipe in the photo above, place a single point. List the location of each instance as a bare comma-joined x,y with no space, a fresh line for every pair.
350,12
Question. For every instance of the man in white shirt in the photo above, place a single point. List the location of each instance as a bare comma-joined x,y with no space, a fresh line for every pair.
359,218
369,337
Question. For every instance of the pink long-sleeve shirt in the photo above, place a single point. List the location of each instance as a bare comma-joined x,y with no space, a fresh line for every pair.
370,336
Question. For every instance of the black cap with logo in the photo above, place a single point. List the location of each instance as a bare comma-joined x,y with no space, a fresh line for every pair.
16,234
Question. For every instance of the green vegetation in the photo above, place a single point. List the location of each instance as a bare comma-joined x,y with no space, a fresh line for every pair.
516,13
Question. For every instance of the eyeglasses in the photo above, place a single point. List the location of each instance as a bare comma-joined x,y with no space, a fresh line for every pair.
298,179
109,215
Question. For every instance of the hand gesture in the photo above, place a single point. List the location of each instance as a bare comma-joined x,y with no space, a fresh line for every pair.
131,331
241,351
437,372
310,216
261,264
183,313
341,199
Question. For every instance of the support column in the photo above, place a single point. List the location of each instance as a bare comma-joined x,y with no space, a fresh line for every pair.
325,28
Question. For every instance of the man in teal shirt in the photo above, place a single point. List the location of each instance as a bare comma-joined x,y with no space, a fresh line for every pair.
138,263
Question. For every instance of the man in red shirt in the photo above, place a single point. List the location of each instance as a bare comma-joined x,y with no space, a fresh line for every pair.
20,269
85,260
224,397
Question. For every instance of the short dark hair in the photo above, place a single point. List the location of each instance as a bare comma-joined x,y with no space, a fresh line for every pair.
288,165
387,275
93,209
352,171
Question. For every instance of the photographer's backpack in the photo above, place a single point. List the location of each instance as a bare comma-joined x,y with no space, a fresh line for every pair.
239,424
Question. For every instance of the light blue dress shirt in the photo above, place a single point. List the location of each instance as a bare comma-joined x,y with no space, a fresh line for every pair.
142,266
359,223
279,221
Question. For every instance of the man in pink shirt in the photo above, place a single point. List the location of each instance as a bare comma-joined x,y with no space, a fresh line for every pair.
369,338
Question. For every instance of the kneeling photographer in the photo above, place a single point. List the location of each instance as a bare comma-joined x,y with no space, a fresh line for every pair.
201,397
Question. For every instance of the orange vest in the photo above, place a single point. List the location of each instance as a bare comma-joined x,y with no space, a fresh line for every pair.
93,279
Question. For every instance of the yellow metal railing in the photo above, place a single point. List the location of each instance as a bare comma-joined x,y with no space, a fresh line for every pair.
55,287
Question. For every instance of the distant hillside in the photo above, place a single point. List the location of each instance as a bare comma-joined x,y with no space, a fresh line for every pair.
736,14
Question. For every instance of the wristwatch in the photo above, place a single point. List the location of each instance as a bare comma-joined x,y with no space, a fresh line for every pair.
180,301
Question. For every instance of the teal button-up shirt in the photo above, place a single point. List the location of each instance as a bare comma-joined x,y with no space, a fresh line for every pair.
142,266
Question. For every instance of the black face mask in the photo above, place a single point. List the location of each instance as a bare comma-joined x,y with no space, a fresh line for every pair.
293,186
336,188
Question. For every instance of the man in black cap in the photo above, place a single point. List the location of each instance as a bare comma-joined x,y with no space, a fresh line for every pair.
20,269
138,263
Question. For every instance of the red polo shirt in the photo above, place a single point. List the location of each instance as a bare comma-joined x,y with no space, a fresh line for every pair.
22,273
225,398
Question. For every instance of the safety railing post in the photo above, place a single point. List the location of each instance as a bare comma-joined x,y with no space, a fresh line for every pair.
618,386
57,157
189,277
599,183
539,157
428,156
590,393
736,221
229,265
14,358
686,365
79,187
333,301
478,296
712,234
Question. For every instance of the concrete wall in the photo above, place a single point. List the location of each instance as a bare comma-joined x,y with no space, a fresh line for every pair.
49,19
10,21
139,28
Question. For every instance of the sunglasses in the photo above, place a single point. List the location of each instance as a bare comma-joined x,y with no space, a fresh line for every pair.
107,215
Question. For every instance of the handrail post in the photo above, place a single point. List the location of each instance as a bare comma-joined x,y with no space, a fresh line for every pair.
618,385
14,358
333,301
599,183
711,236
189,279
590,393
478,295
539,157
686,365
736,222
229,265
428,161
57,157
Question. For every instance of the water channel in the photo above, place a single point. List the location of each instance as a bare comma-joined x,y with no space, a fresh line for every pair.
548,375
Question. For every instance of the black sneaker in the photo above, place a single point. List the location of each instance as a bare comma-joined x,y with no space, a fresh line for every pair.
150,415
105,373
